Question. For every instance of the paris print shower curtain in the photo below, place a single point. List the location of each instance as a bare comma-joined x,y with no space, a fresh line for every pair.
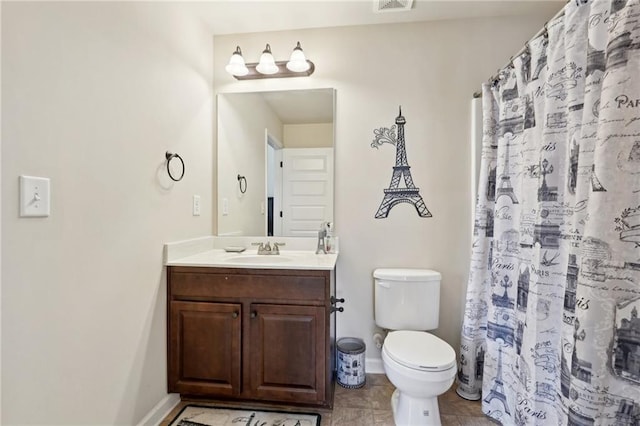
551,331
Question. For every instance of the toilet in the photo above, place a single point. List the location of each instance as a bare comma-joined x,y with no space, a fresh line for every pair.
420,365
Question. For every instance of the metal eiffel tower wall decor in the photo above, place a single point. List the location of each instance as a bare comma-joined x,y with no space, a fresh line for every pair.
397,194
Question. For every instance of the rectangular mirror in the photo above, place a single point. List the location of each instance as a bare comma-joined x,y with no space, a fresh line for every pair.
275,162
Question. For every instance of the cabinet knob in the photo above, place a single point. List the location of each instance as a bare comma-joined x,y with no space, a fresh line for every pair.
253,314
234,315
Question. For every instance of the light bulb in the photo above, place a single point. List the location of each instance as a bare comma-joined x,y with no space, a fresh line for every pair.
267,64
297,61
236,65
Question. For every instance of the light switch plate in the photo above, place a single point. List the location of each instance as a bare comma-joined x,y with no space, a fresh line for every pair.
35,196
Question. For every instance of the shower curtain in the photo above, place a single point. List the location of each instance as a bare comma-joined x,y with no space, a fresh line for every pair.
551,332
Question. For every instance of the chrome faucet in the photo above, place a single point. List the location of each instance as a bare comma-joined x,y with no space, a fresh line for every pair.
266,249
263,248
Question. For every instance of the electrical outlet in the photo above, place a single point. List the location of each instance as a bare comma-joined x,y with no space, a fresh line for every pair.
35,195
225,206
196,205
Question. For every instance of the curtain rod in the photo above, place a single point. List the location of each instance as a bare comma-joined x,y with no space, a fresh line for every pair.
541,31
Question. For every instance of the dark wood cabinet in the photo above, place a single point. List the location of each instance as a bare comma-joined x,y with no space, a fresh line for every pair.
205,342
287,347
251,334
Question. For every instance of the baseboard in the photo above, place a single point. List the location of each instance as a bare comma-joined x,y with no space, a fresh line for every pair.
373,366
161,410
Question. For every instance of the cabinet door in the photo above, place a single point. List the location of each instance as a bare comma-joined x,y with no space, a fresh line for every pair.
204,348
288,352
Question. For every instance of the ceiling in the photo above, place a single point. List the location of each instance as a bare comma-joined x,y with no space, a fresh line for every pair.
305,106
248,16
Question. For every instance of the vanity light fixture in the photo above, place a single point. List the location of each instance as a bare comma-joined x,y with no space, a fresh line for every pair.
297,66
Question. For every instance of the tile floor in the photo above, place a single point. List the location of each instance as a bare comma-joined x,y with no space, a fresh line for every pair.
370,405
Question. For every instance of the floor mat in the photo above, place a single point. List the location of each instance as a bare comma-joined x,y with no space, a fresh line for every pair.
200,415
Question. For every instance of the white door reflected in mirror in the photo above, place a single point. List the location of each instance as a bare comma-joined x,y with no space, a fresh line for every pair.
307,190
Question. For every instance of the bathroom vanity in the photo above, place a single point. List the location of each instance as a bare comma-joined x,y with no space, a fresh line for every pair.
245,327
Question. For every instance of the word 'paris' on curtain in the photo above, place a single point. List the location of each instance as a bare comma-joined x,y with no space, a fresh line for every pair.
551,331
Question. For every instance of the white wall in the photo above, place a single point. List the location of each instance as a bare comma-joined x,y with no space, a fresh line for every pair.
431,69
93,94
242,151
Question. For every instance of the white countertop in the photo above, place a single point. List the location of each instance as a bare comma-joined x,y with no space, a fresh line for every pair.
209,252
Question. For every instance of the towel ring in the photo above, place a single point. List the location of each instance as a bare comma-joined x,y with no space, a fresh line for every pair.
170,156
242,179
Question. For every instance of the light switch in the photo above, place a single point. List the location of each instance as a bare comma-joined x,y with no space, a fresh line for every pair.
35,196
225,206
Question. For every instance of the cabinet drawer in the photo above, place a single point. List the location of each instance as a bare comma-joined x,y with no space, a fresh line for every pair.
260,284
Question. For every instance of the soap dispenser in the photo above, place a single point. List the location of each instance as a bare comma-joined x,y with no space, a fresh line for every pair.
329,242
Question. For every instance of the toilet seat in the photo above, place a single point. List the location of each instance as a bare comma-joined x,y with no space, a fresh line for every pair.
419,350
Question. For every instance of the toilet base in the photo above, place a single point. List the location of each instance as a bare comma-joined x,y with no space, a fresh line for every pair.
410,411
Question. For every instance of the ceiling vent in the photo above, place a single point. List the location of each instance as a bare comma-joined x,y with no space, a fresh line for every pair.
391,5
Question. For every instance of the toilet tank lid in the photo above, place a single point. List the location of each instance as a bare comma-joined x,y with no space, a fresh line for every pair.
407,274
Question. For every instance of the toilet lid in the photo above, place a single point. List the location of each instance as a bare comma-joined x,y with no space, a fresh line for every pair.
419,350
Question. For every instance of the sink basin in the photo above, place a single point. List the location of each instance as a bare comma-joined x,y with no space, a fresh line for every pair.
258,259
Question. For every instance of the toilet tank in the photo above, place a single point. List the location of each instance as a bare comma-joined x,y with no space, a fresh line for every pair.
407,299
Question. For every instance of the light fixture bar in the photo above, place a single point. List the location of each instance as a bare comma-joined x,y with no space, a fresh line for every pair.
283,72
